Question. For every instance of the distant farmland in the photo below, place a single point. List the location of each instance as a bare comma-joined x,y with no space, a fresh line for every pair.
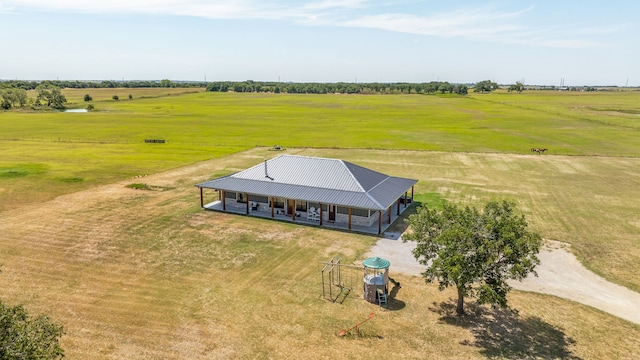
148,274
65,152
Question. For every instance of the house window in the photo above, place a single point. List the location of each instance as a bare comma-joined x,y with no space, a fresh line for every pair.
230,195
354,211
301,206
258,198
278,203
360,212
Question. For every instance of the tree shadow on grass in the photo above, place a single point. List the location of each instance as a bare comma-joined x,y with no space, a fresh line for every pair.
502,333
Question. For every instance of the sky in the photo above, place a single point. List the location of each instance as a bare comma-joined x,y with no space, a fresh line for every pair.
537,42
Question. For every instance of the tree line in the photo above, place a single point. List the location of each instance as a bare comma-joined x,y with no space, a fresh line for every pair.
433,87
48,95
13,93
78,84
338,88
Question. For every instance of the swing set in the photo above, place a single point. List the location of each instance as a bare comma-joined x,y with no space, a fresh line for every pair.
339,280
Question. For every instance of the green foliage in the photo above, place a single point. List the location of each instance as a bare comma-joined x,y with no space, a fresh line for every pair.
91,107
461,89
130,97
251,86
13,97
88,97
166,83
477,252
115,97
105,84
24,337
485,86
517,87
51,95
138,186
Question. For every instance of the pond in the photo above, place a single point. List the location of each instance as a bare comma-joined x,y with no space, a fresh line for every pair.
76,110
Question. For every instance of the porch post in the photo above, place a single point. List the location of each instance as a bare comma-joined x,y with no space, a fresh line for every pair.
272,205
247,199
380,222
201,199
224,200
398,207
349,218
389,210
405,200
293,211
412,192
320,214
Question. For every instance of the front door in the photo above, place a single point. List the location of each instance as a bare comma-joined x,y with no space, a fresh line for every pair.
332,213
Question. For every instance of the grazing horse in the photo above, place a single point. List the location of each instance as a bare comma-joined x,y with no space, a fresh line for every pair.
539,150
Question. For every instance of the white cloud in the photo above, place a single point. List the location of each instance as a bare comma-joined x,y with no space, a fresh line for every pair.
335,4
217,9
484,24
480,24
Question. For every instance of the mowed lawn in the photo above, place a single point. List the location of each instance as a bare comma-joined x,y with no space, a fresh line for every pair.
148,274
137,274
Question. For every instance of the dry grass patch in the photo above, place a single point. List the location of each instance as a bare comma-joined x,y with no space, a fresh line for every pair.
148,275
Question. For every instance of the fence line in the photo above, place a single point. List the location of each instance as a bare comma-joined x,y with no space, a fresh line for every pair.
151,142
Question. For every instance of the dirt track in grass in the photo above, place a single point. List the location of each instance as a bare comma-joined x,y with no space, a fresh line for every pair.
559,274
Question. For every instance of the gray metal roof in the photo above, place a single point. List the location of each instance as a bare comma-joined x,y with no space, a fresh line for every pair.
313,179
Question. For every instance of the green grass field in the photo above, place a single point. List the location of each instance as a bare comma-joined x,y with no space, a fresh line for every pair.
147,274
78,150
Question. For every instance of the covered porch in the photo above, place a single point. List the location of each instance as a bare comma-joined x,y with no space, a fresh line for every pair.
331,216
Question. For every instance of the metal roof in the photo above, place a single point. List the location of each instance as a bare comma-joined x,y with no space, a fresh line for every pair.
313,179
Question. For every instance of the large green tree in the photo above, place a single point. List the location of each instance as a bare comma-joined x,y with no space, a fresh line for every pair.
51,95
13,97
473,250
485,86
23,337
518,87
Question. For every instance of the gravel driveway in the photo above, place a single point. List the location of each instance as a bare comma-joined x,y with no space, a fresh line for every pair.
559,274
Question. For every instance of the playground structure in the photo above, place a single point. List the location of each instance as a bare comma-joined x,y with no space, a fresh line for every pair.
356,326
341,280
376,280
338,280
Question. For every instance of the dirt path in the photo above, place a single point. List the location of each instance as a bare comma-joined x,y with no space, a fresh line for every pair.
559,274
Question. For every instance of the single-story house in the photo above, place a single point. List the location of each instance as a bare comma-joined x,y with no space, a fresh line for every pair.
321,191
